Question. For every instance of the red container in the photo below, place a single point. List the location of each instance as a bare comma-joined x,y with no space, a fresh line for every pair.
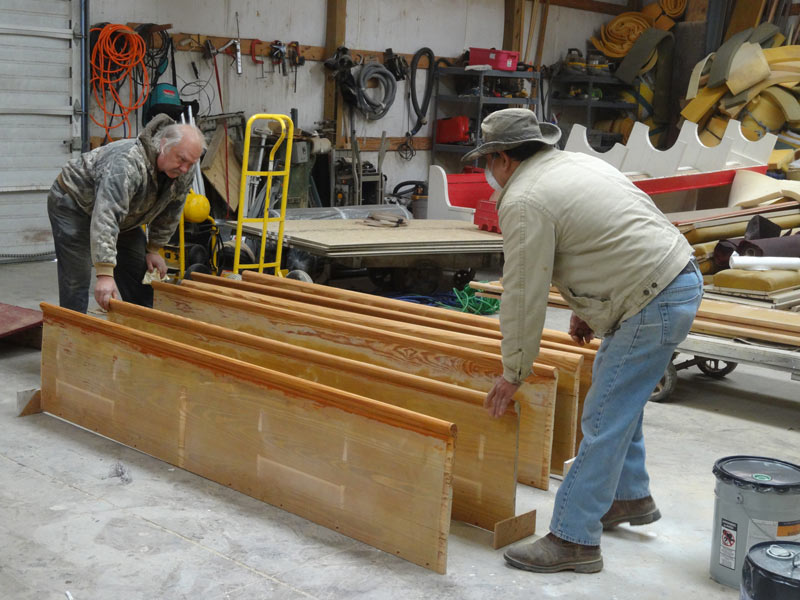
452,131
502,60
486,216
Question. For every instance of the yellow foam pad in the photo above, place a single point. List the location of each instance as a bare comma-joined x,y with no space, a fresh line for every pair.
761,281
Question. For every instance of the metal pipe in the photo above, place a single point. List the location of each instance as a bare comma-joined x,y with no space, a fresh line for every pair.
85,76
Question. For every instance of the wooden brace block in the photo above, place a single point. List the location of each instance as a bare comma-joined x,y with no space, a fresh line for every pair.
514,529
485,473
375,472
454,364
29,402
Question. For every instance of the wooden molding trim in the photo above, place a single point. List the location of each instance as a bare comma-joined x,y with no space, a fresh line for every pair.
484,475
462,366
247,428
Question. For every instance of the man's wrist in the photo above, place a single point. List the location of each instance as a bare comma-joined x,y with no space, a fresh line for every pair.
104,270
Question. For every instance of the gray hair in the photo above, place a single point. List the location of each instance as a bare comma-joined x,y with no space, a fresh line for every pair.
171,135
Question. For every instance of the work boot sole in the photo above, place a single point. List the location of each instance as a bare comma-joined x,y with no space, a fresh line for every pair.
644,519
593,566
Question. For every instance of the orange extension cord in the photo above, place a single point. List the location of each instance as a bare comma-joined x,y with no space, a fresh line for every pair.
117,54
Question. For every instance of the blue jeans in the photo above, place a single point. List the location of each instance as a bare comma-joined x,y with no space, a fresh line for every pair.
630,362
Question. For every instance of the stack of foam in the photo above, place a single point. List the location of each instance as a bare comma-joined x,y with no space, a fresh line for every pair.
750,78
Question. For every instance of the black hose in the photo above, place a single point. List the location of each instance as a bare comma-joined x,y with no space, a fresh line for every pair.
421,111
411,184
370,108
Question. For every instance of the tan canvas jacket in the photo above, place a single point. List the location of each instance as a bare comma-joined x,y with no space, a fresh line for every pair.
574,220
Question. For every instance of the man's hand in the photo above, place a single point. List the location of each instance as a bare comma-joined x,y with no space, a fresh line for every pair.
156,261
579,331
499,397
104,290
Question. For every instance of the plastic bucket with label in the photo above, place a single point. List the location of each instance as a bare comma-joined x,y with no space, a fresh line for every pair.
757,500
771,571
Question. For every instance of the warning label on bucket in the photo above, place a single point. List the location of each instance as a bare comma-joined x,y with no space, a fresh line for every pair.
727,544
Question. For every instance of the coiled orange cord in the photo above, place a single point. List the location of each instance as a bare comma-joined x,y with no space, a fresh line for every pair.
117,54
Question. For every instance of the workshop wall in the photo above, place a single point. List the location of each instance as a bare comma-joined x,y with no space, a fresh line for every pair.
446,26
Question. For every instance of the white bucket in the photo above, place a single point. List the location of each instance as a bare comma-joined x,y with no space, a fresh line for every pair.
757,500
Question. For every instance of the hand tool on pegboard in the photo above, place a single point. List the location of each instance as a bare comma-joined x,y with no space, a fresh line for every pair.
295,59
278,55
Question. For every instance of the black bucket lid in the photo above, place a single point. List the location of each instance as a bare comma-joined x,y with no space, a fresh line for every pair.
775,565
759,473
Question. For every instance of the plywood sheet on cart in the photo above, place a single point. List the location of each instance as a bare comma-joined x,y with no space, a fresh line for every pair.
462,366
375,472
348,234
485,473
569,400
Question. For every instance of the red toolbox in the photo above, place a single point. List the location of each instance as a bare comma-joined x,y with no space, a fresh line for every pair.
502,60
453,130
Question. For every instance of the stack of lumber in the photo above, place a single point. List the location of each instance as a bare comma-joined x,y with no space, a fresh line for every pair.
360,413
353,238
722,319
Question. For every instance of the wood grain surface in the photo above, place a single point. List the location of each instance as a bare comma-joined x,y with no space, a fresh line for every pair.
462,366
484,476
291,443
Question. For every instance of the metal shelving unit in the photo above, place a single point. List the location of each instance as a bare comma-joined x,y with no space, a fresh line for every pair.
478,103
591,104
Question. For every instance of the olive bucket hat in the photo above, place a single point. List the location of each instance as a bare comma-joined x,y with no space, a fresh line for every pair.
509,128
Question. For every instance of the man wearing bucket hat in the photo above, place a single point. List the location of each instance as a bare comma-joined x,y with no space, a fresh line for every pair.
626,272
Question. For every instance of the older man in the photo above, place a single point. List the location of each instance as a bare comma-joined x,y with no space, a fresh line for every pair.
100,201
627,274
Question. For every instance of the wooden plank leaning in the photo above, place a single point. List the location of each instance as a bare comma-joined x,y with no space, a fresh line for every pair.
372,471
484,474
569,399
461,366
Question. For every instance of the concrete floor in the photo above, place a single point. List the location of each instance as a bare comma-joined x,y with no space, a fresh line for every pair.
67,524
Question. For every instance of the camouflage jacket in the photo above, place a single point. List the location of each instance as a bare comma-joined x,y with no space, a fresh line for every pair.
117,185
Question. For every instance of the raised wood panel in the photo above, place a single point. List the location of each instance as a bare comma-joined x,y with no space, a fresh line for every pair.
485,474
375,472
453,364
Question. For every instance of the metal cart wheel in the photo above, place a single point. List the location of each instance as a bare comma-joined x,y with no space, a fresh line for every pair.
666,385
714,367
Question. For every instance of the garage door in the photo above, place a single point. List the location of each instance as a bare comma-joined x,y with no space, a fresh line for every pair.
39,83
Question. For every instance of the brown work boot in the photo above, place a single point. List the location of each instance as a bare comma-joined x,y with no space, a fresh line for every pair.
635,512
551,554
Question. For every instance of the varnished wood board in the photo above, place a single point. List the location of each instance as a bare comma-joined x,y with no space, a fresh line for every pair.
738,331
462,366
566,434
484,475
375,472
747,316
569,363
